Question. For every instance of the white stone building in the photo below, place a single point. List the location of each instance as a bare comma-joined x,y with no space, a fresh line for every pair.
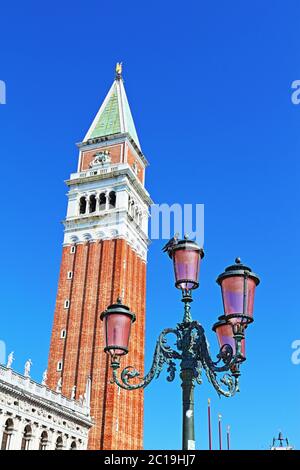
33,417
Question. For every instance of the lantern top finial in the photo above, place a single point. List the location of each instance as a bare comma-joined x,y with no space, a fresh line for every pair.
238,269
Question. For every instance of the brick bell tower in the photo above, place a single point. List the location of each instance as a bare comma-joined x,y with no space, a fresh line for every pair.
104,256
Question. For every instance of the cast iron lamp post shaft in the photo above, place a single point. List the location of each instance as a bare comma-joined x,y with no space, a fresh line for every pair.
188,428
187,376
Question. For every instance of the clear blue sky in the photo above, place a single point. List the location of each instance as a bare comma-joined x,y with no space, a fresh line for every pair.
209,87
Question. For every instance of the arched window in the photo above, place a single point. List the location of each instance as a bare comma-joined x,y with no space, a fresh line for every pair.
92,203
102,202
27,435
82,205
59,443
43,441
73,446
8,430
112,199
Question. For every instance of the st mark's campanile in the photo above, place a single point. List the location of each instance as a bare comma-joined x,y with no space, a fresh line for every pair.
104,257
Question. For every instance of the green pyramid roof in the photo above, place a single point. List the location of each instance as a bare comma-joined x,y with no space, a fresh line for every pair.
114,115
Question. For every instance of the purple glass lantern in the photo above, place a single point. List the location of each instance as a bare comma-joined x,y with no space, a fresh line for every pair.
238,284
117,324
186,255
225,335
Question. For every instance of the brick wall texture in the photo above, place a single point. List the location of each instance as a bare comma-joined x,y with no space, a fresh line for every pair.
101,271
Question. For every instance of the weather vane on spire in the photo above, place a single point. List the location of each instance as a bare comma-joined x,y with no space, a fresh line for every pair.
119,70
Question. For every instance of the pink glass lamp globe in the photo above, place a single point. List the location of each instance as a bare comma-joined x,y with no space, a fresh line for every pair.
238,284
186,256
225,336
117,324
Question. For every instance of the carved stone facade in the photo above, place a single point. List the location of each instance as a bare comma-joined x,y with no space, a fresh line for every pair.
33,417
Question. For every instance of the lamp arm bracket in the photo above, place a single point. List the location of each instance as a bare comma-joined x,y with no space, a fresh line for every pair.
201,349
202,355
225,354
163,354
231,382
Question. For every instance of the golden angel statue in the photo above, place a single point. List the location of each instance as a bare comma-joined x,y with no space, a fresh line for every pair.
119,68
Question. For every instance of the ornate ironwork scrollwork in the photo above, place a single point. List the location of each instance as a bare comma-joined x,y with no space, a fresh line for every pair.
163,354
193,352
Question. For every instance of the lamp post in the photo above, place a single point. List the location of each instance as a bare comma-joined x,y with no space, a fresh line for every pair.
238,285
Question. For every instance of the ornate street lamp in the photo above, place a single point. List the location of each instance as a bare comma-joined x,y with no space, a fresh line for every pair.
238,285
